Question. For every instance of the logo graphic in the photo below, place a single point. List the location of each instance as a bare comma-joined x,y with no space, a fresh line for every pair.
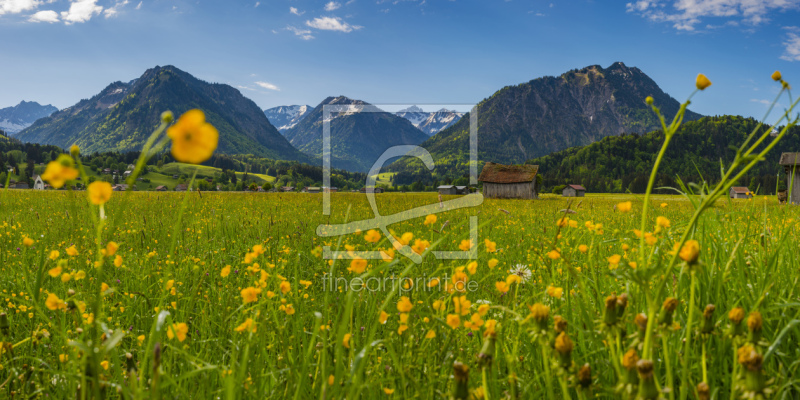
383,221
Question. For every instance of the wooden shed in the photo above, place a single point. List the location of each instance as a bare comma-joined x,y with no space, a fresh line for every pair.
509,181
447,189
791,164
740,192
574,191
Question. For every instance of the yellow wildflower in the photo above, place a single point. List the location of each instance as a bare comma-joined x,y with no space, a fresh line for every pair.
193,139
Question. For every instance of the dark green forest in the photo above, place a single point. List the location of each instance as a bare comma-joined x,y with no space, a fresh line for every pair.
623,163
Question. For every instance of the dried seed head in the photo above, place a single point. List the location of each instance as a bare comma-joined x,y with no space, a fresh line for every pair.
709,311
540,311
564,344
641,321
749,357
645,368
611,301
754,321
460,372
703,391
736,315
622,301
560,324
630,359
670,304
585,376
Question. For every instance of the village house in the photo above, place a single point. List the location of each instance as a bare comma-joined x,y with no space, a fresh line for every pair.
161,188
19,185
38,183
120,188
791,165
574,191
287,188
312,189
452,189
509,181
740,192
371,190
181,187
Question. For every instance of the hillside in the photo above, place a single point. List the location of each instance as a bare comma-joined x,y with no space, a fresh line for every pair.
122,116
623,163
550,114
357,138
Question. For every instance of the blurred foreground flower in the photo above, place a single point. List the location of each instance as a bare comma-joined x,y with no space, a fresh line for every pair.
193,139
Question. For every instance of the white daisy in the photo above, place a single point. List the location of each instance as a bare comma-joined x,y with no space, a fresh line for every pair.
522,271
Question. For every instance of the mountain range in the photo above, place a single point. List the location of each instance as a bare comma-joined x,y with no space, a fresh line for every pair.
122,116
16,118
549,114
515,124
430,123
286,117
359,134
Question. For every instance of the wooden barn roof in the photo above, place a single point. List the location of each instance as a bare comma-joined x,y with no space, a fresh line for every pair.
577,187
499,173
740,189
790,159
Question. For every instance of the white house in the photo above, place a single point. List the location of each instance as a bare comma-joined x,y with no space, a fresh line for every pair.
38,183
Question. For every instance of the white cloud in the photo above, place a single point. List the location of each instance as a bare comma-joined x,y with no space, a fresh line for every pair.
267,85
761,101
332,5
17,6
81,11
332,24
304,34
258,3
296,11
44,16
687,14
113,11
139,6
792,47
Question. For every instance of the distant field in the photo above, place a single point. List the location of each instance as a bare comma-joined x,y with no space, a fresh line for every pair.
206,172
302,335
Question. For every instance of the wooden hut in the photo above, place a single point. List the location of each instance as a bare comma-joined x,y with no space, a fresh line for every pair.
509,181
740,192
574,191
447,189
791,164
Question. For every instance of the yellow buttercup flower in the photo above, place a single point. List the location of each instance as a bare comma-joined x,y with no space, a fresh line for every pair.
491,246
383,317
250,294
702,82
60,171
111,249
493,263
54,303
27,242
404,305
372,236
72,251
358,265
178,330
690,251
286,287
193,139
776,76
430,219
555,292
248,325
625,206
225,271
453,320
346,340
553,255
662,222
465,245
99,192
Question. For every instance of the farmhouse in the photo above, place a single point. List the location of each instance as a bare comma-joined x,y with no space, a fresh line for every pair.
38,183
371,190
740,192
509,181
574,191
791,164
446,189
313,189
161,188
181,187
287,188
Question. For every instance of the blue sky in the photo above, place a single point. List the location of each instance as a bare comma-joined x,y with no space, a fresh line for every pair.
281,52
